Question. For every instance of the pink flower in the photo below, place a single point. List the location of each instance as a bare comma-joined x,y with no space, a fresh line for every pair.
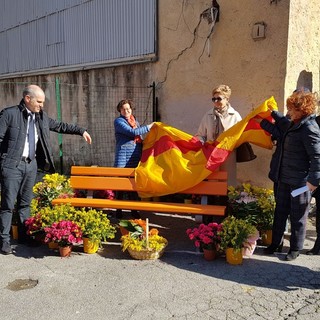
205,235
64,232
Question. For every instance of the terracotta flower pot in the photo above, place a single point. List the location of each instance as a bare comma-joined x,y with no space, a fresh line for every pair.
123,231
209,254
266,237
14,229
65,251
53,245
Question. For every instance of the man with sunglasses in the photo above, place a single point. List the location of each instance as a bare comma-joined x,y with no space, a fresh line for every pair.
217,120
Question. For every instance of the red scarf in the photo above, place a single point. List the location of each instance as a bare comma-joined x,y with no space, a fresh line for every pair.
133,124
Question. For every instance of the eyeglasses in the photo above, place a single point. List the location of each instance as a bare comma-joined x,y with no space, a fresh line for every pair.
217,99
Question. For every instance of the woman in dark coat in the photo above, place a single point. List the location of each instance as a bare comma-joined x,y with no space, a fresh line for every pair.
277,130
299,165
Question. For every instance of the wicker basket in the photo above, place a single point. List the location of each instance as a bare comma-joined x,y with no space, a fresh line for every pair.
146,254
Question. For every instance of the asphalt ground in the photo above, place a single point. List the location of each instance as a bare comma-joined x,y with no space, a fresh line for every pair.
36,283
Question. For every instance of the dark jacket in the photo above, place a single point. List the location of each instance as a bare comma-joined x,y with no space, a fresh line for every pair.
128,152
300,153
13,130
277,130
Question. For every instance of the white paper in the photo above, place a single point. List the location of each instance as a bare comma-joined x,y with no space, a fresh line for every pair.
298,191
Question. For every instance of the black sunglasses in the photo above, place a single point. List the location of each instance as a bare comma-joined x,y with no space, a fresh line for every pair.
216,99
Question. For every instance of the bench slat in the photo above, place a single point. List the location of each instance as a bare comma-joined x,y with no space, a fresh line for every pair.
102,171
145,206
123,179
127,172
102,183
128,184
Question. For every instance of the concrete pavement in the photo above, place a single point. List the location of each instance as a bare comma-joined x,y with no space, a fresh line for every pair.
181,285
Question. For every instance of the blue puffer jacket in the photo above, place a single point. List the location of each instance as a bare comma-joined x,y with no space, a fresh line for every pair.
300,154
128,152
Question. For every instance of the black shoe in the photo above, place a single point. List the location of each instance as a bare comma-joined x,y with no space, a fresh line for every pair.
6,248
135,214
292,255
316,248
273,248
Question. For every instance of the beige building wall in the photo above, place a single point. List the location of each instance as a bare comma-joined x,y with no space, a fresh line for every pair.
303,57
193,58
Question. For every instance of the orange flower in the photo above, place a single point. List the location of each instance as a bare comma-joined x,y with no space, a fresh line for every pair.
153,232
140,222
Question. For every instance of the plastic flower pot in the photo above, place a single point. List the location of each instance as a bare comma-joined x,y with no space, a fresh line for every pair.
234,256
90,246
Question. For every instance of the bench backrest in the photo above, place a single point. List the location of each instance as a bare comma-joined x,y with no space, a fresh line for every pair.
122,179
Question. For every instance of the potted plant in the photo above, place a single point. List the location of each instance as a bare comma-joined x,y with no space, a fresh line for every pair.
95,226
65,233
142,244
127,226
51,187
46,216
255,204
234,235
207,238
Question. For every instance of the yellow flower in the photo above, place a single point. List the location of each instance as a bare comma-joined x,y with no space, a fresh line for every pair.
156,243
53,186
255,204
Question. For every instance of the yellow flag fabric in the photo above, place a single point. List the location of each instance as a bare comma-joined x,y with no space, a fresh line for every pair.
248,129
173,161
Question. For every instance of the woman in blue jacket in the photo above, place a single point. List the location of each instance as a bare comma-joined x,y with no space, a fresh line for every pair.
128,134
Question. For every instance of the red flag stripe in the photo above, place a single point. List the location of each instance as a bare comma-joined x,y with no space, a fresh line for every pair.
165,143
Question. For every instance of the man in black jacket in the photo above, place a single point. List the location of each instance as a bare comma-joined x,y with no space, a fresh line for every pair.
25,147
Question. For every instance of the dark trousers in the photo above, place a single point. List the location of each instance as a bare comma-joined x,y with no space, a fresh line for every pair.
297,208
317,197
16,189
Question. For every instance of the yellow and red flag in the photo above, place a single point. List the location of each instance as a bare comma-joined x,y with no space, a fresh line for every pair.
173,161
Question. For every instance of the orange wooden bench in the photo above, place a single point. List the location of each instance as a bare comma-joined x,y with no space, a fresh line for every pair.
122,179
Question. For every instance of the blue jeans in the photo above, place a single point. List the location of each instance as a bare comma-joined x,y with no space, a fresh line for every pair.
16,190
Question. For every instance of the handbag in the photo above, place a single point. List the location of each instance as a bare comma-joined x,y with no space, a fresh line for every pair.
244,153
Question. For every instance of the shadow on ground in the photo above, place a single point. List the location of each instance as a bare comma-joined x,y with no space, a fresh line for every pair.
259,270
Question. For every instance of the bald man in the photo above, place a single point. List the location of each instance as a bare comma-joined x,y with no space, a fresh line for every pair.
25,147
